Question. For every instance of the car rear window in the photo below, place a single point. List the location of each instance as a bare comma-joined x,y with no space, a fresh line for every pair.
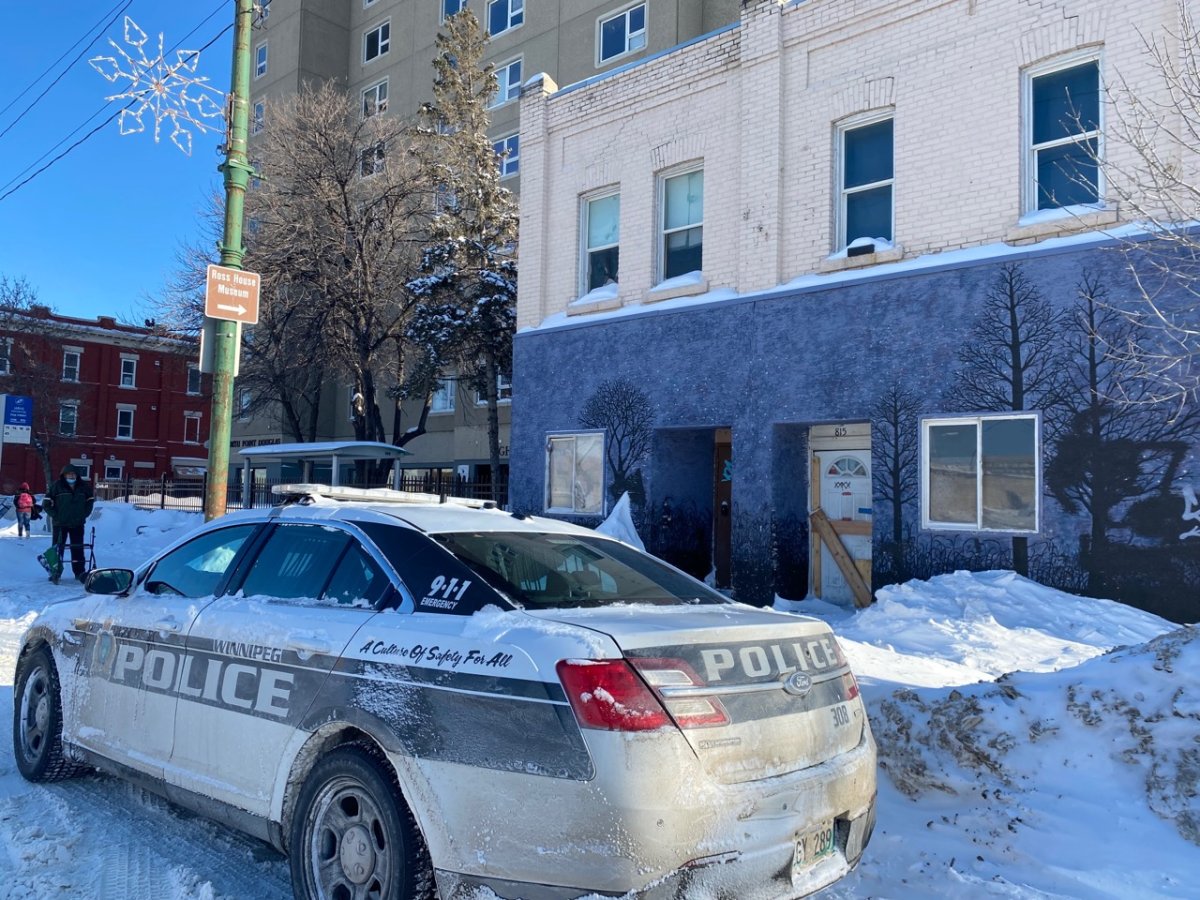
545,571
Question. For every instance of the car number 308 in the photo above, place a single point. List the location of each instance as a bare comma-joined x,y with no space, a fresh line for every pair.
841,715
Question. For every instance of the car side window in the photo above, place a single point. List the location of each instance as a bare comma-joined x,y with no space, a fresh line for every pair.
357,581
196,568
296,562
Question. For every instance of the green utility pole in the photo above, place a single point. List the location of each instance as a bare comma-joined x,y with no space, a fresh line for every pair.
237,171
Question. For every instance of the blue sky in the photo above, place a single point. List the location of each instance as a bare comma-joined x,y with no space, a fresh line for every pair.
97,232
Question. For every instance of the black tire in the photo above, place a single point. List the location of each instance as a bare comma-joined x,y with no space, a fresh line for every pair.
352,837
37,720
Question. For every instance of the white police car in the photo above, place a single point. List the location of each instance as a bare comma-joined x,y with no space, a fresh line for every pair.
413,700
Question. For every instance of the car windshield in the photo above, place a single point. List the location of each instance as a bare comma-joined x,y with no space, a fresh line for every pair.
565,570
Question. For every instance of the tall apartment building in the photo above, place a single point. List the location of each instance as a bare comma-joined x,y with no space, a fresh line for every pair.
382,50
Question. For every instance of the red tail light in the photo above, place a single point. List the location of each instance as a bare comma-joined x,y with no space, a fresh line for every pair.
607,694
849,685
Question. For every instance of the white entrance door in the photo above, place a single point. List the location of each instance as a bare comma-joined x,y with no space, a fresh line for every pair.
845,495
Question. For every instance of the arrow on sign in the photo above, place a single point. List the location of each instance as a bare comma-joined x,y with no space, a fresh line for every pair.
239,309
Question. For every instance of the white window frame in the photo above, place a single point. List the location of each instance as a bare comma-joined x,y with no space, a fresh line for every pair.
663,231
6,356
853,124
928,422
458,6
368,3
1029,199
503,391
371,160
132,360
261,62
243,404
563,437
515,17
510,165
114,464
191,417
601,59
258,118
385,42
192,367
76,352
508,90
585,252
72,405
122,410
374,105
442,400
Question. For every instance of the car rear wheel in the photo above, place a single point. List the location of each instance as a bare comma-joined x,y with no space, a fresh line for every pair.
351,835
37,720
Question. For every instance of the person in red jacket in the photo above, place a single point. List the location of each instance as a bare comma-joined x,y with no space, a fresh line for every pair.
24,503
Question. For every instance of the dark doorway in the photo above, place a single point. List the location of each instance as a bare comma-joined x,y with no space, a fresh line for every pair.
722,505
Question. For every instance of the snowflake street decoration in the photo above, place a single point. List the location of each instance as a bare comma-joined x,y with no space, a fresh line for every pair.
162,88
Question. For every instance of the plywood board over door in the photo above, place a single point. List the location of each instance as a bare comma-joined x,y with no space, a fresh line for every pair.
840,486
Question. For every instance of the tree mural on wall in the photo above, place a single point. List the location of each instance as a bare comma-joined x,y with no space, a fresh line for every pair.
1013,360
894,448
1119,442
623,411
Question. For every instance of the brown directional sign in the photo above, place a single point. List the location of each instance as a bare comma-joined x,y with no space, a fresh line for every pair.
232,294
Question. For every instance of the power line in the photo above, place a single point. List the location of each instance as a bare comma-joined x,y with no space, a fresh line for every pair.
50,67
62,74
8,191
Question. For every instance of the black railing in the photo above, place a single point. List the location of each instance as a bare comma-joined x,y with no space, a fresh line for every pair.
188,493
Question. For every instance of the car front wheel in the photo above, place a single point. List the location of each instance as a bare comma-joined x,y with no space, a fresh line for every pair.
352,837
37,719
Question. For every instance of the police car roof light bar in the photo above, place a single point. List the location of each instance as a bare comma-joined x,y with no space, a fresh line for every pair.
296,493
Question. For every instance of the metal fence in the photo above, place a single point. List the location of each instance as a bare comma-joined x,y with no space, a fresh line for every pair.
188,493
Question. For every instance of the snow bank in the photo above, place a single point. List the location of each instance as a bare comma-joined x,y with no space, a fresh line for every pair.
619,524
977,626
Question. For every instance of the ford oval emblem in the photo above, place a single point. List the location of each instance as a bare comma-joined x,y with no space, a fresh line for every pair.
798,684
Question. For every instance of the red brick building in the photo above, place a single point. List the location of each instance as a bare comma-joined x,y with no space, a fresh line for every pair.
117,401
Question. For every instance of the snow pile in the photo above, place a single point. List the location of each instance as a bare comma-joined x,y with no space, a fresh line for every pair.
619,524
1076,774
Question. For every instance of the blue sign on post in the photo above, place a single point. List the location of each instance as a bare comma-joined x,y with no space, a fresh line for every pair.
18,419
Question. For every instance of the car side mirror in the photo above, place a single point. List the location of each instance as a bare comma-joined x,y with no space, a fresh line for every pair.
108,581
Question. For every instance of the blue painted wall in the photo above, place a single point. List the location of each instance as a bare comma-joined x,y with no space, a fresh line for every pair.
769,366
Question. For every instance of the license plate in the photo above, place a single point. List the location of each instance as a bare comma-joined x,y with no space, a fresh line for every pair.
813,845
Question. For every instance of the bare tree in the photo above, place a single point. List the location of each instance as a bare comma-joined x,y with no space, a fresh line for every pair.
1152,169
1012,360
338,220
895,449
625,413
1119,444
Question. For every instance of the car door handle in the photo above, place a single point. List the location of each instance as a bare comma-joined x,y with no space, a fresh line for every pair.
308,644
169,623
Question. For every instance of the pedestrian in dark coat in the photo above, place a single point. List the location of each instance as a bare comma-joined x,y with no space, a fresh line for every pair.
69,502
23,502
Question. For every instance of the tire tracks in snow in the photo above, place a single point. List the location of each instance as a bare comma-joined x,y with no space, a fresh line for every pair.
102,839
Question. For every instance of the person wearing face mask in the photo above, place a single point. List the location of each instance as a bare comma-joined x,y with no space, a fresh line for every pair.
69,502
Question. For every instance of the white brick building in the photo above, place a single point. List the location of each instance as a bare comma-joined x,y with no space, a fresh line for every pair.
850,263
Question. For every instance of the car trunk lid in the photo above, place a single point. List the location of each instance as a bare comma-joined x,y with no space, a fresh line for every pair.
756,693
